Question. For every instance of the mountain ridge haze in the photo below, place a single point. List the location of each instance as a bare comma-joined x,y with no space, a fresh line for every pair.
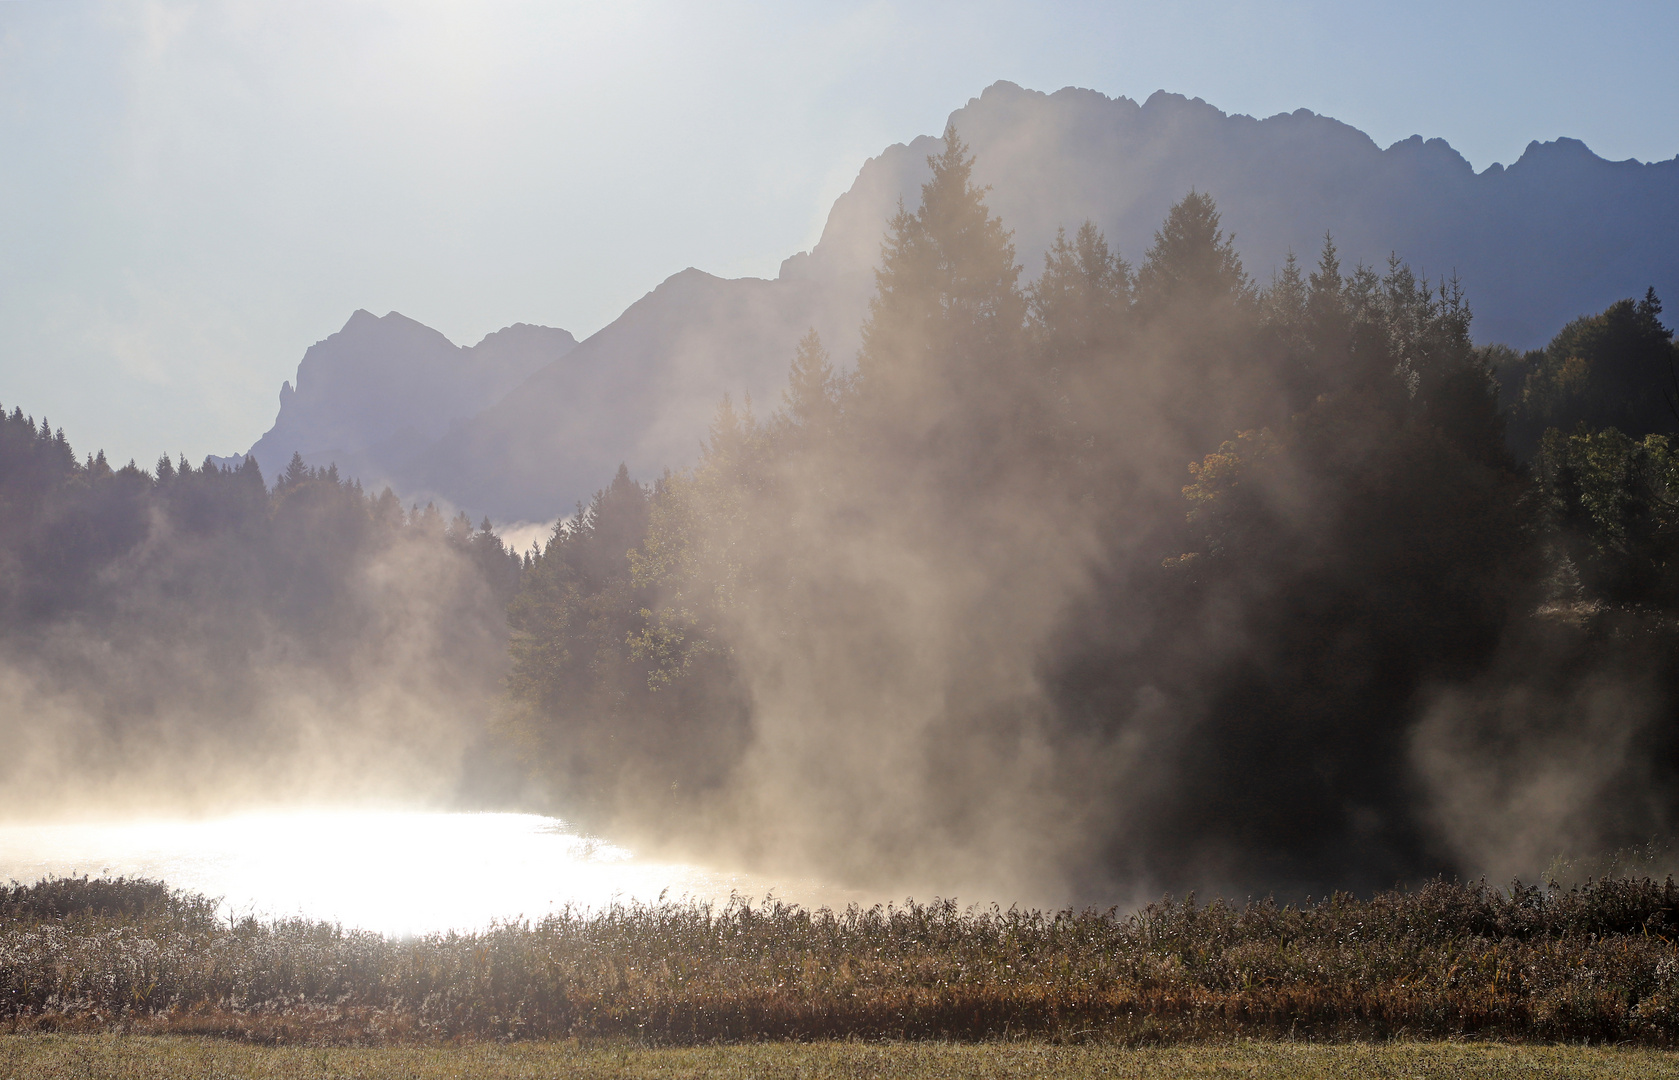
1558,233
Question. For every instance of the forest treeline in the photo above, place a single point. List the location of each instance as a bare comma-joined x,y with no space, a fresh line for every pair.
1132,577
195,635
960,616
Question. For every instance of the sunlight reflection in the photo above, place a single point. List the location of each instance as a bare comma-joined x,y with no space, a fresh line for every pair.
390,871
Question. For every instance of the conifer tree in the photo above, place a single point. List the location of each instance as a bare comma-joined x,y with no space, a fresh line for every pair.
946,319
1283,321
251,473
1077,306
1192,262
1078,318
1328,327
387,511
811,399
1198,314
459,531
296,472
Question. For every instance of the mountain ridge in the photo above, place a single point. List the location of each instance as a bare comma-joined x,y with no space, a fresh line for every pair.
389,381
1558,233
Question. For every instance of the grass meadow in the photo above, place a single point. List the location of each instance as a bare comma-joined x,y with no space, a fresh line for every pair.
117,1057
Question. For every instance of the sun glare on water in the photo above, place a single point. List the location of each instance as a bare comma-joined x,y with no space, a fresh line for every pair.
390,871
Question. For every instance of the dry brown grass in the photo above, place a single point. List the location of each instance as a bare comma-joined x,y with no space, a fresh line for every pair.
1446,961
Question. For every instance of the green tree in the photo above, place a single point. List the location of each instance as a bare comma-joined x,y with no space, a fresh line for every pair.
934,372
1198,317
812,399
1618,368
1284,322
1328,320
1192,264
1613,504
1078,318
1078,306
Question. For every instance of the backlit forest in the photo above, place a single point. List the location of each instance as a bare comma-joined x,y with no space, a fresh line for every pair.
1104,577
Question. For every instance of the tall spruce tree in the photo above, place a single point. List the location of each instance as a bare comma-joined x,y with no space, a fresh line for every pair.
811,401
1192,263
944,327
1078,306
1328,322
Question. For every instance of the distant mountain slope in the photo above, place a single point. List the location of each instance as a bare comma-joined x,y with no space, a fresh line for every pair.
640,391
1559,233
381,384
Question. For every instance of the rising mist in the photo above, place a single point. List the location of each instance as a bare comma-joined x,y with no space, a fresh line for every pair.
188,640
1123,580
1131,579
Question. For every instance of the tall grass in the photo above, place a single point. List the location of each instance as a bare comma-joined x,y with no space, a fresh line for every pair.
1593,963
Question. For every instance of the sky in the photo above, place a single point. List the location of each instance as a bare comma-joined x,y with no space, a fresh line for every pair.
192,193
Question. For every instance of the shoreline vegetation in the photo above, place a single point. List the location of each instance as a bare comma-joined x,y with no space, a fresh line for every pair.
1447,961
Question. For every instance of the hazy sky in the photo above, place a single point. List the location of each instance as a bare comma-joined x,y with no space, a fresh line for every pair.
193,193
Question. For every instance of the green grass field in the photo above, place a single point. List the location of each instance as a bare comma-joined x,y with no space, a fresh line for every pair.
93,1057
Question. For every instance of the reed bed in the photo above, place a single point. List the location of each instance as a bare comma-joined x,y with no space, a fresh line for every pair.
1595,964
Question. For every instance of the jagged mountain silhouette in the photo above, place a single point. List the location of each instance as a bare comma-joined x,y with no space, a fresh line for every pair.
1559,233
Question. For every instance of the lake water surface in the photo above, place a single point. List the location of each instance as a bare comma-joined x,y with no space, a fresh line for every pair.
391,871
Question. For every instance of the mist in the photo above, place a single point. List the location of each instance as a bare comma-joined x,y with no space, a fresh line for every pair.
188,641
1069,587
1140,578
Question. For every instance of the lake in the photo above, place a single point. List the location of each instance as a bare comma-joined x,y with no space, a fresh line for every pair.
396,872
